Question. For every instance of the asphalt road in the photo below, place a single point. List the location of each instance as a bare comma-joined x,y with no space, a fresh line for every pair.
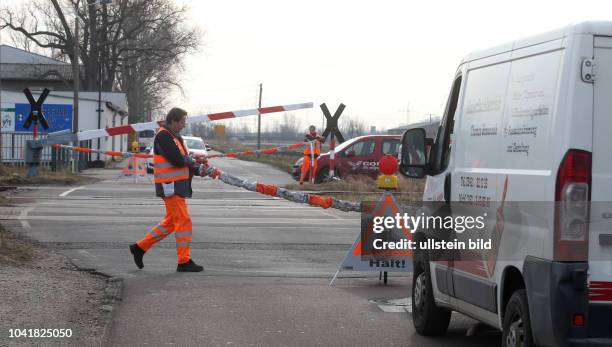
268,263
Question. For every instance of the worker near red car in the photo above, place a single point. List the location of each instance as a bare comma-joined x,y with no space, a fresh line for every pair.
173,170
312,151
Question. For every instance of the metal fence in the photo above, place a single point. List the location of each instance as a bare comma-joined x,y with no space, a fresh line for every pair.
12,148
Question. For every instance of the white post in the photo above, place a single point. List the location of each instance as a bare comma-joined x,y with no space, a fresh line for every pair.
312,159
332,157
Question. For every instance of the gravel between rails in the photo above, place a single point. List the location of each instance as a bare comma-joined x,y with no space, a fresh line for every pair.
49,292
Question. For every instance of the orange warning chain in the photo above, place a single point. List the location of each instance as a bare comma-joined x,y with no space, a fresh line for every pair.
147,155
109,153
271,150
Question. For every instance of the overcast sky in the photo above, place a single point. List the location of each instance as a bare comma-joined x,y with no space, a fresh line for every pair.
387,61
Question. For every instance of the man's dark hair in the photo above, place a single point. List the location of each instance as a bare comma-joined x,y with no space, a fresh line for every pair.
175,115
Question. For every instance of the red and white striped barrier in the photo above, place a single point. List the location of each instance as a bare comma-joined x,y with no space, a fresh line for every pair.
130,128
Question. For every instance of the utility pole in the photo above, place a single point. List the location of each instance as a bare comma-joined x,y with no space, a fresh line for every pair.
1,103
76,79
408,114
259,120
101,32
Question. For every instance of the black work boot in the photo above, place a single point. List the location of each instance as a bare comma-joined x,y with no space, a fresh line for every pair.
137,252
189,266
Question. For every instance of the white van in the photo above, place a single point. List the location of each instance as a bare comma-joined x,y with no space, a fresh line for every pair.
530,127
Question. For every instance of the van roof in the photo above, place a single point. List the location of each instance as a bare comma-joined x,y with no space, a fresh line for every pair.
603,28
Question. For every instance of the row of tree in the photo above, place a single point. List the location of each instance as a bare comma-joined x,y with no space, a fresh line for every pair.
289,127
138,45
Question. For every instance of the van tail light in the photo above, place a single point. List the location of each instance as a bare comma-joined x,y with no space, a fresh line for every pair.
578,320
572,200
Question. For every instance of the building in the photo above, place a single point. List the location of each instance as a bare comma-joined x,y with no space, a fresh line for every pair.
20,69
431,128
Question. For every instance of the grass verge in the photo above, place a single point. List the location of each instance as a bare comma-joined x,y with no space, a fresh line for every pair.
14,250
14,175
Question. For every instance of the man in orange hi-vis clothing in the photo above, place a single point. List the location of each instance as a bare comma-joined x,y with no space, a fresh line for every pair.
312,149
172,170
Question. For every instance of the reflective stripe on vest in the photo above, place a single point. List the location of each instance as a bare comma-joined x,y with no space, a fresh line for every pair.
164,171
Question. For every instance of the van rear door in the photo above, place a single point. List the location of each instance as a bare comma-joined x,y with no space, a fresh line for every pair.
600,233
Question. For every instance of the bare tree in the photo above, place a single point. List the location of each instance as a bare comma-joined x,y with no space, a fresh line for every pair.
290,126
351,127
139,43
151,60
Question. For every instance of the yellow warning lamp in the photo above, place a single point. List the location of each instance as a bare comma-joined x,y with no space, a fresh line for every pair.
387,167
135,146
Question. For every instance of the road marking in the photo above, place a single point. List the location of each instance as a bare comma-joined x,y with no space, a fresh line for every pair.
266,220
70,191
23,218
332,215
401,305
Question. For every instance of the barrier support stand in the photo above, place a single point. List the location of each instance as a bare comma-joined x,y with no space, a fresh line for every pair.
33,151
332,157
312,163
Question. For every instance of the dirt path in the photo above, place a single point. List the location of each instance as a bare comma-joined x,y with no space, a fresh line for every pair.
40,289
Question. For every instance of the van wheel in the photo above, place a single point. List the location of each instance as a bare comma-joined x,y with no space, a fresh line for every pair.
517,326
428,319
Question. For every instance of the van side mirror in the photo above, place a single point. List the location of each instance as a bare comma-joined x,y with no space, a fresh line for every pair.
413,153
350,153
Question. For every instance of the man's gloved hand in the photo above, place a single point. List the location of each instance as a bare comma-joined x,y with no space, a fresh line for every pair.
202,169
200,159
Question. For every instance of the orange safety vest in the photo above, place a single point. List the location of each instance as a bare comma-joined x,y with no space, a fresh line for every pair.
317,147
164,171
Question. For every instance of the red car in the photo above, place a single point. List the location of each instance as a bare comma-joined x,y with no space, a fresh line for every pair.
357,156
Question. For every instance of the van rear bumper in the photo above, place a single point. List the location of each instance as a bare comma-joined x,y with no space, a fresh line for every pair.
556,291
607,342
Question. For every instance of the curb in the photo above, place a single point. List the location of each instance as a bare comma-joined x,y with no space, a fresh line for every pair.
113,294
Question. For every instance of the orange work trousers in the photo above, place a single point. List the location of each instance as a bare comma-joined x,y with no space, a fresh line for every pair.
177,221
306,168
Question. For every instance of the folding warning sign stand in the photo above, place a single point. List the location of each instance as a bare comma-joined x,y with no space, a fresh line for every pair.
360,257
135,168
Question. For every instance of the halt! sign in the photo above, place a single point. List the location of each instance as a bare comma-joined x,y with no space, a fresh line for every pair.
363,257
